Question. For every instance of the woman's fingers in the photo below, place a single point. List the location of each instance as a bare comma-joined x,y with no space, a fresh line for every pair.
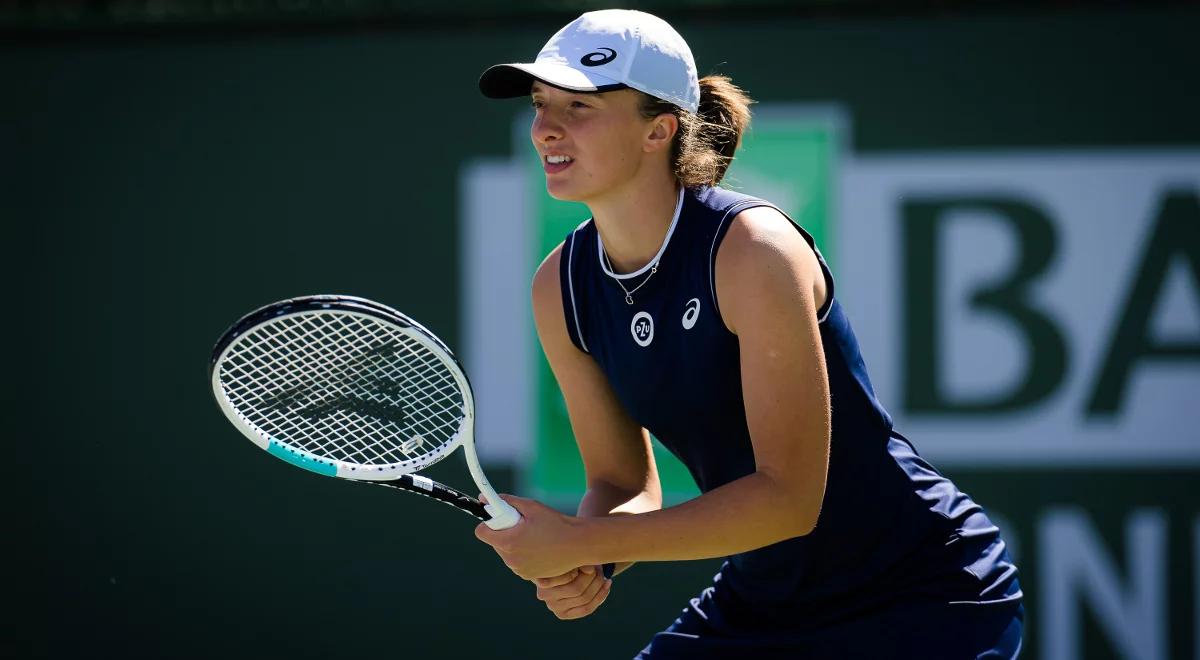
573,589
558,580
569,590
583,597
578,597
581,611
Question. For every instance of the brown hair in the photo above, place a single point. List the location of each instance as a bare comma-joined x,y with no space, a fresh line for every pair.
703,147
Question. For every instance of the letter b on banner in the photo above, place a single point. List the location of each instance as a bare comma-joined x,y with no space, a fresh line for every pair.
925,223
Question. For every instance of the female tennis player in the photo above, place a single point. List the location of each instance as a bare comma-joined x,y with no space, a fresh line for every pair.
708,318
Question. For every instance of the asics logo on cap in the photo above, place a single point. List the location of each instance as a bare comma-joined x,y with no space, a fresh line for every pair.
654,60
597,58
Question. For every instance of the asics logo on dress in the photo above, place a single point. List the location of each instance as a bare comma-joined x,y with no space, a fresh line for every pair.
597,58
691,313
642,329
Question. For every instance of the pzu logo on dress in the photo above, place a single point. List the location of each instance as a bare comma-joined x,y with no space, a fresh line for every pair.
642,328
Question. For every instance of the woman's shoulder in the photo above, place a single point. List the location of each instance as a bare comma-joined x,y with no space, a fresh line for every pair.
720,200
716,212
545,278
549,278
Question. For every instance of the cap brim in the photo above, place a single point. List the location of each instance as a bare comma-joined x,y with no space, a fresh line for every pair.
506,81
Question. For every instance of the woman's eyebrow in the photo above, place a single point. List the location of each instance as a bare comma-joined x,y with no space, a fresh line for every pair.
539,88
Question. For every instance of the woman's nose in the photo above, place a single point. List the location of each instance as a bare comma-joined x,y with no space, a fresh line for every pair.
546,128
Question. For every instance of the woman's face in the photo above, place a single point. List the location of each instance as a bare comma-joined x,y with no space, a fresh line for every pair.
602,137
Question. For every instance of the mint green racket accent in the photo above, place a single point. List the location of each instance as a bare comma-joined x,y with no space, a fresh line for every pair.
309,464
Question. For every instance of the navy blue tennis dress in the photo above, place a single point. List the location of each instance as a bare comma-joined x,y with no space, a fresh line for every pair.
901,563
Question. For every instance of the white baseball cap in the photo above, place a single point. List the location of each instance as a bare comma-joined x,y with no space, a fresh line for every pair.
606,50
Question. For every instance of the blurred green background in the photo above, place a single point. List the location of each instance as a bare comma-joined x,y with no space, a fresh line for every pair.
166,172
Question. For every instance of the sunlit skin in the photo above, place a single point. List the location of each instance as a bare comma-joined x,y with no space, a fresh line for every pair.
619,166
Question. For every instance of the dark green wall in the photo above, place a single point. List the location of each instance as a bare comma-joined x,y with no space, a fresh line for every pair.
157,186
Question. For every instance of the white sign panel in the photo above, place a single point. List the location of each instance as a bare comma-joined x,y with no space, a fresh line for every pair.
1032,308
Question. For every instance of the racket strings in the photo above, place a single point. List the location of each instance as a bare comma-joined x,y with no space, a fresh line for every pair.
334,369
344,387
341,441
338,438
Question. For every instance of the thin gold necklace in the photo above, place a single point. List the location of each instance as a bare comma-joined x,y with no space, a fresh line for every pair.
629,292
657,258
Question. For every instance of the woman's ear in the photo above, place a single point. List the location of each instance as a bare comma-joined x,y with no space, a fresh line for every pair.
662,132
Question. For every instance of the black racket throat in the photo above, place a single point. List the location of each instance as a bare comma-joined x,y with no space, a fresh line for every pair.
432,489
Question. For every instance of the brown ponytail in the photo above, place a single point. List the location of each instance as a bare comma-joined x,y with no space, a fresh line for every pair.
704,145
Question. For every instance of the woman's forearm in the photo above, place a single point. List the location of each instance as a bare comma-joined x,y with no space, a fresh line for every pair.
604,500
745,514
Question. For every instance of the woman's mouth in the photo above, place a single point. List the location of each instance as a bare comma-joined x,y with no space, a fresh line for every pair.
556,163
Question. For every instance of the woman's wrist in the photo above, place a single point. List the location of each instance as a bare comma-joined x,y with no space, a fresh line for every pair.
583,542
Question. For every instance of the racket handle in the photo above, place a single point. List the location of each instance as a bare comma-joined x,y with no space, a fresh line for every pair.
503,515
608,570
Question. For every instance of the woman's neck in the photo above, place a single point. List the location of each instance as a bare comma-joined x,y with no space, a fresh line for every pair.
633,221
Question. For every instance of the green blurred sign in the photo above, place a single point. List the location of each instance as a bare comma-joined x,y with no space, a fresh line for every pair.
788,157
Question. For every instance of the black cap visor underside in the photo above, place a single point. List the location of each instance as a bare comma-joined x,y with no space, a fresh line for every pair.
504,81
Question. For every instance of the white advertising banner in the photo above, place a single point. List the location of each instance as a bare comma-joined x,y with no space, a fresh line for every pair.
1029,308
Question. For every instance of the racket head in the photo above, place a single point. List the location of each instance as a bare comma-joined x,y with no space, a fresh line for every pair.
342,386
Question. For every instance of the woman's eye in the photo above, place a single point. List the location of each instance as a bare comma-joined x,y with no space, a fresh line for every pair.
574,104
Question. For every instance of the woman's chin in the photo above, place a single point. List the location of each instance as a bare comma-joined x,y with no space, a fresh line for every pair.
563,193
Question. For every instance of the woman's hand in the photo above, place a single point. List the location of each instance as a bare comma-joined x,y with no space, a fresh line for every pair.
543,544
575,594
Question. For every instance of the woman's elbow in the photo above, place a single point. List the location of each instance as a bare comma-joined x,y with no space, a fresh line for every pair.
801,506
807,519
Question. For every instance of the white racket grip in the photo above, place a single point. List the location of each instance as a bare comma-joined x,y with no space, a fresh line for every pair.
503,515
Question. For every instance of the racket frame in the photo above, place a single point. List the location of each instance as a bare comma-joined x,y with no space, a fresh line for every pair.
501,515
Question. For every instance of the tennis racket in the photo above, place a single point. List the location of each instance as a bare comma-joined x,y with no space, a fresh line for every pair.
346,387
